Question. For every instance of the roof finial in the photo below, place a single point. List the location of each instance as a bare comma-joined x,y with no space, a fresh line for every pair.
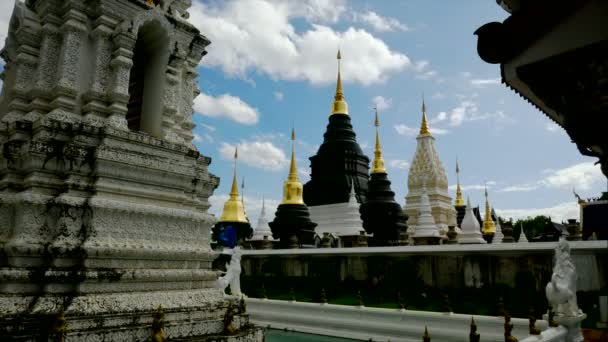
378,164
233,208
340,106
424,128
459,199
489,228
292,190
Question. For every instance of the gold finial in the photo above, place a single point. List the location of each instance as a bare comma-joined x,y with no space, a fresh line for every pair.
151,3
459,199
59,327
233,208
489,228
292,189
426,337
158,324
378,164
424,128
340,106
473,334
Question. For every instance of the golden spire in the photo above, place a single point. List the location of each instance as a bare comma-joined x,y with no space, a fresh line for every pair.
489,228
459,199
292,189
233,208
340,106
378,164
424,128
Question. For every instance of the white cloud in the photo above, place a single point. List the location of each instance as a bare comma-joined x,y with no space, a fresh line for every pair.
227,106
468,110
558,213
6,10
580,176
438,96
438,131
552,127
259,154
269,43
519,188
427,75
209,127
399,164
380,23
279,95
406,130
382,103
482,82
477,187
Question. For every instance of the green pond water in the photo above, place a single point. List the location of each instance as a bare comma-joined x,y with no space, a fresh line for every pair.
273,335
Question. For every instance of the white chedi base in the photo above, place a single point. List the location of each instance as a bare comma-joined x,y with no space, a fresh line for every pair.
341,219
470,229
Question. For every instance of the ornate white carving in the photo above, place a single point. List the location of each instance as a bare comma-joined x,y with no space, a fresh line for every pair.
233,274
561,290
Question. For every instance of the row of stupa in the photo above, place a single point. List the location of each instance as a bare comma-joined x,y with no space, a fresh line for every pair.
344,203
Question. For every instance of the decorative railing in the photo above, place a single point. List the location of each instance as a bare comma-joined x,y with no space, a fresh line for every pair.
363,323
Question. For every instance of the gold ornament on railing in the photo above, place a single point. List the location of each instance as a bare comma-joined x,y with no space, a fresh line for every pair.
59,327
473,334
323,298
551,317
509,329
292,295
426,337
359,299
158,324
532,325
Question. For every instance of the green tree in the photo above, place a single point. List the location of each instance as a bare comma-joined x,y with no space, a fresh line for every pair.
533,226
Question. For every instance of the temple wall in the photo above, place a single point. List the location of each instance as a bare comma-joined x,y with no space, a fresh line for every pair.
457,266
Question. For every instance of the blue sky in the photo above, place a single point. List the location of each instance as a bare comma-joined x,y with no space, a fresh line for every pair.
272,63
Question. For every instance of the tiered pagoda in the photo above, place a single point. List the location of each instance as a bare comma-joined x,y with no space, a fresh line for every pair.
338,165
233,226
381,215
427,172
459,204
292,224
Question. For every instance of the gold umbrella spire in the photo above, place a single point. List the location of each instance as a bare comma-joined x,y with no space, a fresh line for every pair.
378,164
233,208
489,228
292,189
424,128
340,106
459,199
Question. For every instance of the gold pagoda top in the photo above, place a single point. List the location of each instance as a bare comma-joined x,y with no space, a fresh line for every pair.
459,200
292,189
424,127
339,106
233,208
378,163
489,228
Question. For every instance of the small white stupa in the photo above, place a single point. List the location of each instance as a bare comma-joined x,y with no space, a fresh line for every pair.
498,236
522,235
262,229
338,219
426,230
470,228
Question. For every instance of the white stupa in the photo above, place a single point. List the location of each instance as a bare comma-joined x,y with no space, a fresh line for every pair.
339,219
262,229
522,235
498,236
425,228
470,228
